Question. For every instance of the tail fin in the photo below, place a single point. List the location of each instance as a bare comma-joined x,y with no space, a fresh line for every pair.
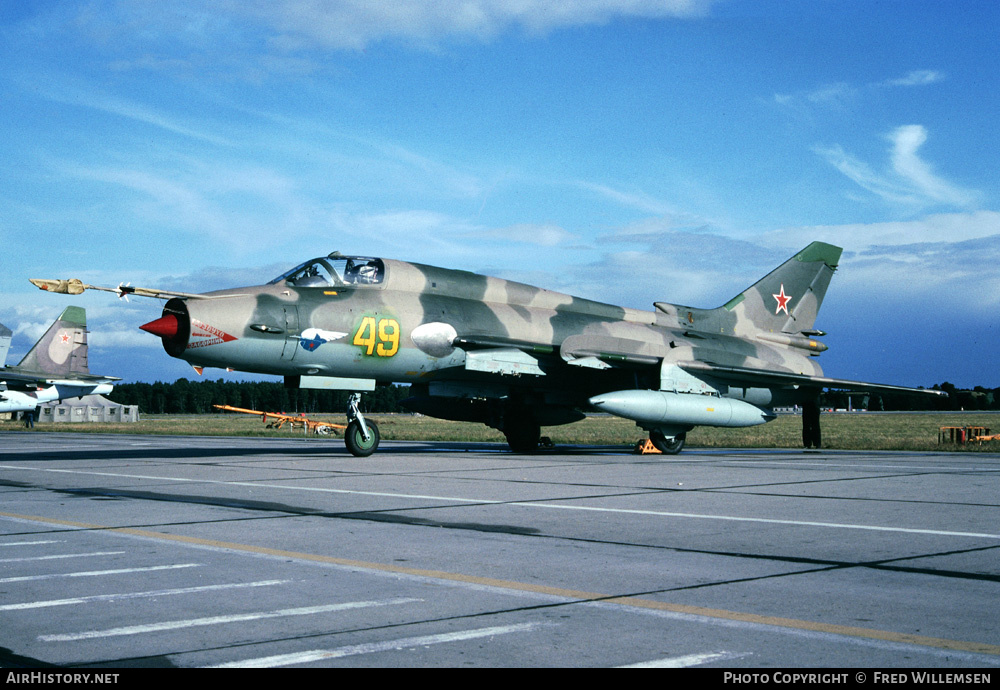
63,349
786,300
5,336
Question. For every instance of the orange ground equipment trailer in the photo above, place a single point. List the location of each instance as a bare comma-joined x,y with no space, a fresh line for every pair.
277,420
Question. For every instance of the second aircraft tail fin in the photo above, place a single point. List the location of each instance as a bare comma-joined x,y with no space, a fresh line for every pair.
62,350
5,336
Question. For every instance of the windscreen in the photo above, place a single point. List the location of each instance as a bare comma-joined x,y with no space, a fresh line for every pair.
334,272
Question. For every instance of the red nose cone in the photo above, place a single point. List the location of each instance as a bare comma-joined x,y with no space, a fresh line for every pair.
165,326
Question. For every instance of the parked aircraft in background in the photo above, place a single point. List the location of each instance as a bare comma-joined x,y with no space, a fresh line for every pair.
54,369
513,356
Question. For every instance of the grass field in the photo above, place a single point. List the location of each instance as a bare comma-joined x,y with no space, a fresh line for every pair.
851,431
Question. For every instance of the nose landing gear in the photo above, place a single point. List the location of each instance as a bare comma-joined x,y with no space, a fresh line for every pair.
361,436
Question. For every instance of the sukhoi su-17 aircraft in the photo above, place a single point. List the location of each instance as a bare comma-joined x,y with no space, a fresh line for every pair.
55,368
513,356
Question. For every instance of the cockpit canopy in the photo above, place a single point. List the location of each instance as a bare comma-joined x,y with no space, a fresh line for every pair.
335,270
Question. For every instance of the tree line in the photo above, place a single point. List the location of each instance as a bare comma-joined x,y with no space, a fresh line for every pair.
197,397
978,398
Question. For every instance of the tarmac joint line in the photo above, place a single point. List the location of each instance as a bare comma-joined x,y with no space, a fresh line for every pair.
583,596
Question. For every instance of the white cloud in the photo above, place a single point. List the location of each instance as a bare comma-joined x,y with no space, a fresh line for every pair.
445,178
837,95
857,237
905,161
899,262
547,235
861,174
127,109
928,260
420,235
950,279
841,94
919,77
833,94
640,201
353,24
236,207
912,180
652,261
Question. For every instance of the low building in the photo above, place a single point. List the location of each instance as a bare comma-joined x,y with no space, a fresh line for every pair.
89,408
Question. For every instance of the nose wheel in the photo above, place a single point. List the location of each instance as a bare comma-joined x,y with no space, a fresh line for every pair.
361,436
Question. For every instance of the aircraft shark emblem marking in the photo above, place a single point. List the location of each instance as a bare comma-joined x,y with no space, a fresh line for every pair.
782,299
312,338
212,335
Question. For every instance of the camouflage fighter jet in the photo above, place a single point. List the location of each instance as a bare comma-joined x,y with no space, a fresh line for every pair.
513,356
54,369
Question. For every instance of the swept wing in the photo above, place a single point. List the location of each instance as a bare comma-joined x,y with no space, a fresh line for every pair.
763,377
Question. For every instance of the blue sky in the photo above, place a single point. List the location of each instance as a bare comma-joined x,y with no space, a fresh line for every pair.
685,146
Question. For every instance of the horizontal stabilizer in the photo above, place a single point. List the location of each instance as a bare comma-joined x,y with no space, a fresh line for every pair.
11,375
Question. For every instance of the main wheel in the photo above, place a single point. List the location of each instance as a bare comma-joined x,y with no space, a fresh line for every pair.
667,447
355,440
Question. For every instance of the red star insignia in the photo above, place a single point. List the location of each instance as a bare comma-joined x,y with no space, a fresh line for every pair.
64,337
782,300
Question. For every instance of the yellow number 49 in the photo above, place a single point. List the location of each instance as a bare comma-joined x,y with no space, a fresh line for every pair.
380,337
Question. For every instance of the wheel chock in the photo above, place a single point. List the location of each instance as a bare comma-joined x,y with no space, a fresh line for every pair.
645,447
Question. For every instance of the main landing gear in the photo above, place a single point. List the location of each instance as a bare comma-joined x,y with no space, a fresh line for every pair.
521,430
667,446
362,435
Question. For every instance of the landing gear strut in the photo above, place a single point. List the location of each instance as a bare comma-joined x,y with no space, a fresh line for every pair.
811,436
521,430
361,436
